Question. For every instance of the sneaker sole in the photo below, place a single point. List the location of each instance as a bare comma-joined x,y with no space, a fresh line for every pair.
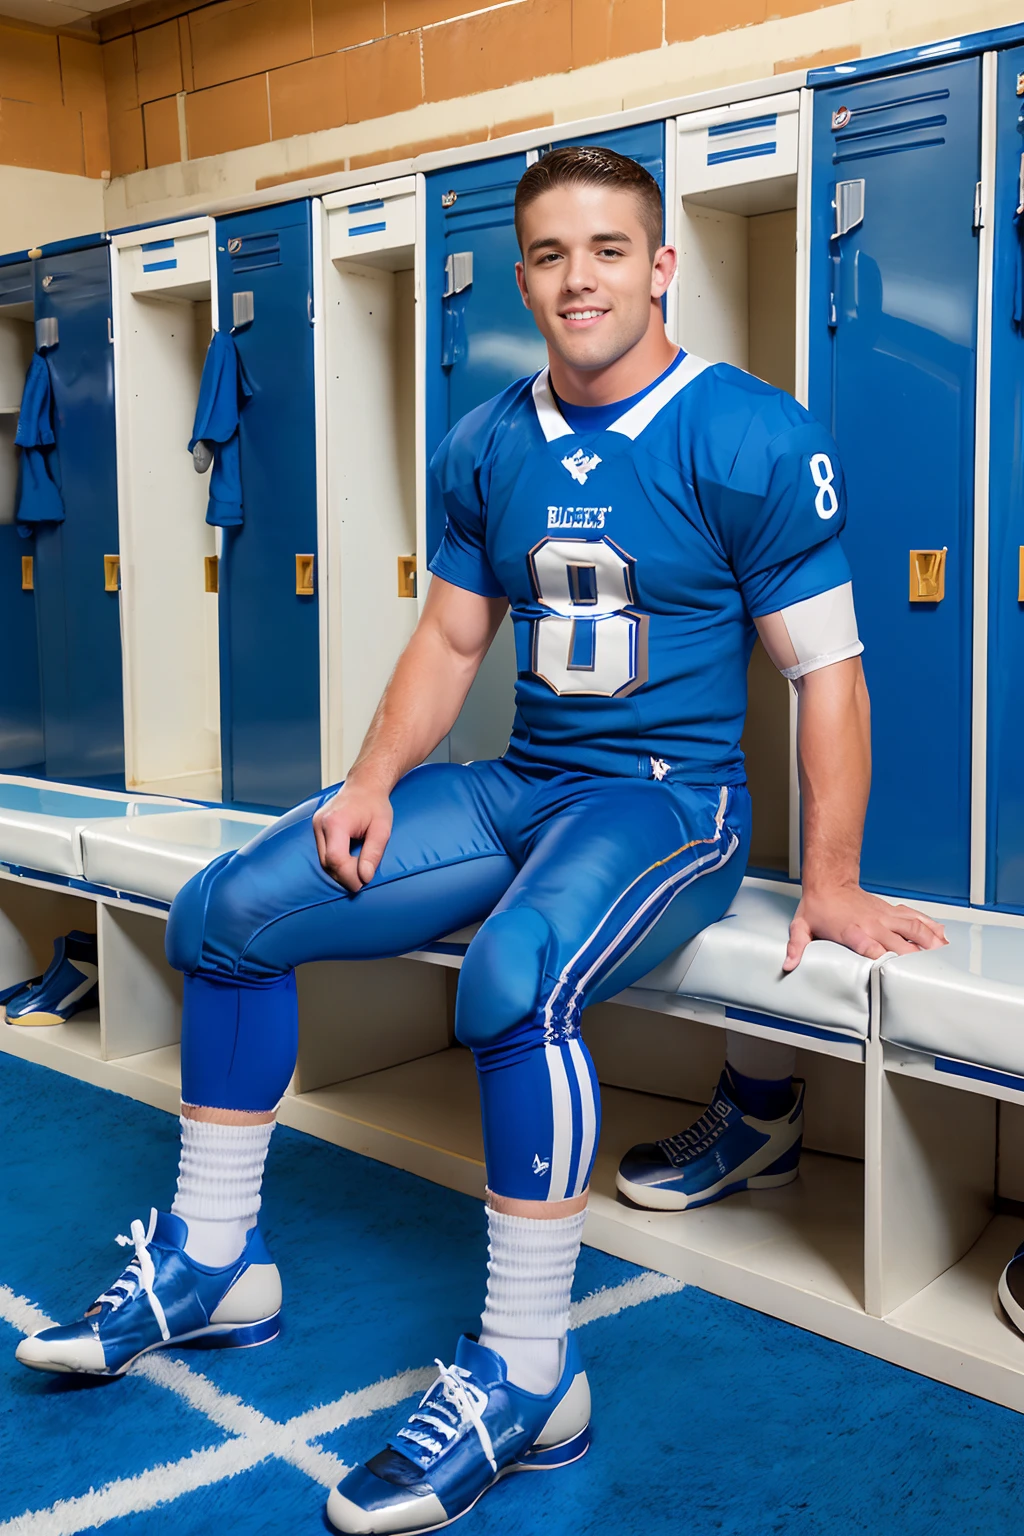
218,1336
1013,1311
568,1452
650,1198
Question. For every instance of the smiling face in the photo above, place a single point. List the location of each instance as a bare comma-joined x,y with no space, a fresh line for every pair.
590,280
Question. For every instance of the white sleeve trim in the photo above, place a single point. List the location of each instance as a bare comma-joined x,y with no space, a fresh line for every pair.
817,662
822,630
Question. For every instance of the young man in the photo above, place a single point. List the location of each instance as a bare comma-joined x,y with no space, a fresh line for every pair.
641,511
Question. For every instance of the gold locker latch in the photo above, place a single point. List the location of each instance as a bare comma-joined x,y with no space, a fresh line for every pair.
28,581
1020,575
211,568
407,575
927,575
304,567
111,573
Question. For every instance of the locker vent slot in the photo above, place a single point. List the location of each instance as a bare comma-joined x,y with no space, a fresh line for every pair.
861,141
250,252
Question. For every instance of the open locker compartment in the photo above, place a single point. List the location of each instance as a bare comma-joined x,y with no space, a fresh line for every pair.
736,231
369,482
21,723
165,311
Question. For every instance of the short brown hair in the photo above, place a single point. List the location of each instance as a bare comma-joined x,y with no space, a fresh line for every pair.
578,165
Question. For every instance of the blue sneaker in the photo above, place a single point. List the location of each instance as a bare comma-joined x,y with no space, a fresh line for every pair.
1011,1289
721,1153
472,1428
163,1299
69,984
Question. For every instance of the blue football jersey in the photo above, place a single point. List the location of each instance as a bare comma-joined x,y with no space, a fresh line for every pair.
636,557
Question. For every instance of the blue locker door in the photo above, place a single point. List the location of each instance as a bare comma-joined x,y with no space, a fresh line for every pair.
79,625
484,338
21,718
893,344
269,635
1005,861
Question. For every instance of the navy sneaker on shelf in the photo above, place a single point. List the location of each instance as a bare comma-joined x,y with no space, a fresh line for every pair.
723,1152
163,1299
471,1428
68,985
1011,1289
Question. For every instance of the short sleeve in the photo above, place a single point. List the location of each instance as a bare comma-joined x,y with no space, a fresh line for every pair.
454,493
770,483
794,581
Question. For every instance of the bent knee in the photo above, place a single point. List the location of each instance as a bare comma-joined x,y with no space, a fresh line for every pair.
501,979
206,929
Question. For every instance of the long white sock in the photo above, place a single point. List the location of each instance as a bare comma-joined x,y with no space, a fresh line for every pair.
753,1057
529,1278
219,1178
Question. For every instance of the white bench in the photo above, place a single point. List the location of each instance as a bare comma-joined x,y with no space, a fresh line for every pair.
890,1246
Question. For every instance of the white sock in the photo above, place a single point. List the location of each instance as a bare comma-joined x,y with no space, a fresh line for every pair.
219,1178
766,1059
529,1277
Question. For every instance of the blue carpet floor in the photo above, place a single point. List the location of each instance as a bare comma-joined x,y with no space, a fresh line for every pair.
710,1420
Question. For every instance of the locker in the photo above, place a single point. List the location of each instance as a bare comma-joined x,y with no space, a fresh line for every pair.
480,338
21,709
1005,839
163,285
893,341
78,645
268,604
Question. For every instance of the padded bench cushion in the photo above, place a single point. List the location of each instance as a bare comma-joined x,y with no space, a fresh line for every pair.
965,1001
737,963
41,825
155,855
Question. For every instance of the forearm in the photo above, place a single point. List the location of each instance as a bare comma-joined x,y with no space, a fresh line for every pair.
834,748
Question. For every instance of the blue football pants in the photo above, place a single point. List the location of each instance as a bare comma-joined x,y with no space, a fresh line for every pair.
583,884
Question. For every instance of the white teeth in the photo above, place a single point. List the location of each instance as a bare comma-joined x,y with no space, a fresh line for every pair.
583,314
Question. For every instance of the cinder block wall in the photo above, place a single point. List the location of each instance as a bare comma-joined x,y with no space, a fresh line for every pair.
182,103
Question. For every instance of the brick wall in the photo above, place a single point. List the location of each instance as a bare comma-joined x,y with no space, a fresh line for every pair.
53,111
247,72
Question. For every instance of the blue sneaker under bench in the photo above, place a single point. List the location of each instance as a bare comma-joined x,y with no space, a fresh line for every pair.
471,1428
69,984
723,1152
163,1299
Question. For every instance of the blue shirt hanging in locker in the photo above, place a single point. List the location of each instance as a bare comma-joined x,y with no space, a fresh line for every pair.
635,553
223,391
39,499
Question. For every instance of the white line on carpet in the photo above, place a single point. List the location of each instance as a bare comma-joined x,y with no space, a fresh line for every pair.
255,1437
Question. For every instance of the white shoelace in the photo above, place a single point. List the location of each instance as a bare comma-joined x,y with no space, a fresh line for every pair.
701,1135
468,1402
140,1273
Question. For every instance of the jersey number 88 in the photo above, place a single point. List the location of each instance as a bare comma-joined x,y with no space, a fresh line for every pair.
590,643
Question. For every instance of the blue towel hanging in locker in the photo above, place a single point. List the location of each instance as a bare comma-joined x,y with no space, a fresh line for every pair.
39,499
223,391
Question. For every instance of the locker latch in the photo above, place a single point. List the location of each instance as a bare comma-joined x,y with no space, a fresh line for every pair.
458,273
979,211
243,309
407,575
849,206
28,580
211,572
111,573
927,575
46,332
304,568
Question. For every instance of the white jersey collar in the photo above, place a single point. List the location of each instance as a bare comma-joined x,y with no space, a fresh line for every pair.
632,422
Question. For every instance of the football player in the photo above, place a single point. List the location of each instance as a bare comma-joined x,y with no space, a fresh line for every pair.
644,514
